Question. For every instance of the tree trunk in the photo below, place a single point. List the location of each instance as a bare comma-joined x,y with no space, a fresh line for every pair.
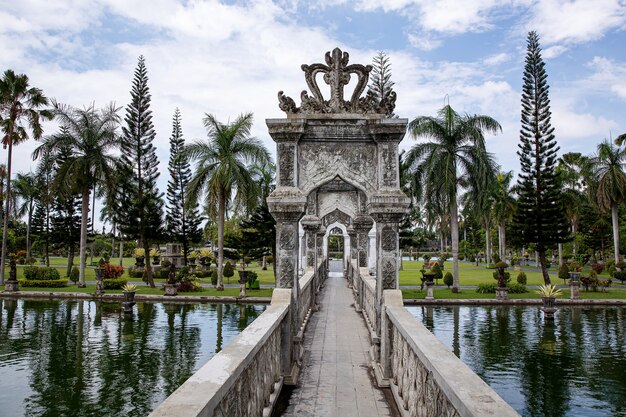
220,240
574,227
146,248
500,253
70,260
83,237
93,222
560,254
121,250
544,270
454,228
30,219
615,231
7,210
487,243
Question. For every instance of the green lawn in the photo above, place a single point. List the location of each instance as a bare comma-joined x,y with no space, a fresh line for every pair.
444,293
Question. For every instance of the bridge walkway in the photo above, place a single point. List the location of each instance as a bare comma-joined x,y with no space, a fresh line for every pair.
336,379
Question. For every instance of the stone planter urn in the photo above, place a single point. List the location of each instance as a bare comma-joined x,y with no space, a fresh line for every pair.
548,307
243,279
502,293
171,289
129,296
429,281
156,260
139,261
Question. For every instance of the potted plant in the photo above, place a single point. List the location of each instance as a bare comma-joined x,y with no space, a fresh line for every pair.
129,292
548,294
192,257
205,257
140,256
502,291
155,254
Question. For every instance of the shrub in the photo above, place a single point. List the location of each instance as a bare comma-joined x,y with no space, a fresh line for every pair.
521,278
166,264
44,283
113,271
472,258
448,279
30,261
229,271
114,283
611,270
436,269
164,272
486,288
269,259
516,288
507,276
621,275
74,274
44,273
563,272
491,266
135,272
214,277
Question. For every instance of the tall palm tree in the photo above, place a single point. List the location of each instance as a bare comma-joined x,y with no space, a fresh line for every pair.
607,183
569,169
503,207
91,134
19,113
26,189
457,152
222,171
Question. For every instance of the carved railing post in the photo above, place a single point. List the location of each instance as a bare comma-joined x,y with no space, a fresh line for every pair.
287,207
362,225
354,256
311,225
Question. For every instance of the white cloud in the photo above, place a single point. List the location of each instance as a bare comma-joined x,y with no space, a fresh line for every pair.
497,59
608,76
423,41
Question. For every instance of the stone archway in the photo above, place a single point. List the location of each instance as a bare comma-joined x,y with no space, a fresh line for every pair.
336,154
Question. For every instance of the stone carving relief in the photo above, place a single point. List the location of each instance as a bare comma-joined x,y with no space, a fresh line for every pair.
389,273
287,273
389,239
287,239
336,216
337,73
389,167
322,162
344,201
286,164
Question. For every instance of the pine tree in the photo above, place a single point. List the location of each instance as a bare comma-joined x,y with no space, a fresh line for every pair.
540,218
182,218
380,83
142,218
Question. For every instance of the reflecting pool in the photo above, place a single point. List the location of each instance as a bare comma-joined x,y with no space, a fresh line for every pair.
575,366
84,358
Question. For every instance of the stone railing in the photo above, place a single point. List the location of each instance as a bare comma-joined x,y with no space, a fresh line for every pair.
425,377
245,378
364,289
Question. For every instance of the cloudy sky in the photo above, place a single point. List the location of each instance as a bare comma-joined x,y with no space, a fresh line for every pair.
231,57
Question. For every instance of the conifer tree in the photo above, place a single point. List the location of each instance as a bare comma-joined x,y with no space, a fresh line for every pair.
182,218
380,77
540,218
142,218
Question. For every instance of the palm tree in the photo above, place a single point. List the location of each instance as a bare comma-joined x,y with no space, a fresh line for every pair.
503,207
222,171
26,188
91,135
19,104
607,183
456,153
569,170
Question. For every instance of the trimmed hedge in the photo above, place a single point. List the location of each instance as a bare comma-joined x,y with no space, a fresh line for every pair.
44,283
114,284
516,288
45,273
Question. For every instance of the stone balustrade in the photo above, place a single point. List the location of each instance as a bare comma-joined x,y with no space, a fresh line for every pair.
425,377
364,289
245,378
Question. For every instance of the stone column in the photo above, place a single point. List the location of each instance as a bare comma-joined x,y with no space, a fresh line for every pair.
319,242
362,226
354,255
287,208
311,224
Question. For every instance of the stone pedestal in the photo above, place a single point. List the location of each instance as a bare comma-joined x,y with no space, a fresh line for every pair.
362,225
574,290
311,225
429,290
171,289
502,293
99,287
11,286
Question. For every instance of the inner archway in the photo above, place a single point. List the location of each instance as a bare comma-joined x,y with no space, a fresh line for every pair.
336,244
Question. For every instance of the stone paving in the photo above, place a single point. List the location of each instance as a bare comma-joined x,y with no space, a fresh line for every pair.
336,380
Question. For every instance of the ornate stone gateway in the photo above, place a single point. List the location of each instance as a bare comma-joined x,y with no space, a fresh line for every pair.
337,162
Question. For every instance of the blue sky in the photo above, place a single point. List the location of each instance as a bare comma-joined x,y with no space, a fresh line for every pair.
232,57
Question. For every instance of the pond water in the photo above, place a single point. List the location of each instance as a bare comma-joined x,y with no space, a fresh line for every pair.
84,358
575,366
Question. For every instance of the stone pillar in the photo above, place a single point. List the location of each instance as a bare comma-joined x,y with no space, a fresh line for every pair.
362,225
354,255
287,208
319,242
311,225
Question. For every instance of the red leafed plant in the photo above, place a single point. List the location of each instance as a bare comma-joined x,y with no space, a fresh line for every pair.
113,271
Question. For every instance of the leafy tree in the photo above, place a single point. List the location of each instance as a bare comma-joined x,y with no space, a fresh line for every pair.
183,219
456,155
607,183
503,207
380,77
19,113
540,218
88,136
570,171
142,217
222,171
25,188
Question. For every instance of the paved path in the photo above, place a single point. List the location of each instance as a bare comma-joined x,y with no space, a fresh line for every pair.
336,381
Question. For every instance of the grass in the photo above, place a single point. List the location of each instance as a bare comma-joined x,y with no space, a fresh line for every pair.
447,294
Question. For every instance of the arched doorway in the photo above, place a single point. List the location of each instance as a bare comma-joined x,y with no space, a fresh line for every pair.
336,244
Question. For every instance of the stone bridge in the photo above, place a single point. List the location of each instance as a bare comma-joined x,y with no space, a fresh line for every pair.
342,338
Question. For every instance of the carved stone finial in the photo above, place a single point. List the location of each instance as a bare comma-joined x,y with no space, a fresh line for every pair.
337,73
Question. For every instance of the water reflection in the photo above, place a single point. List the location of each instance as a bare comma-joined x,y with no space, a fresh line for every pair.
79,358
572,367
